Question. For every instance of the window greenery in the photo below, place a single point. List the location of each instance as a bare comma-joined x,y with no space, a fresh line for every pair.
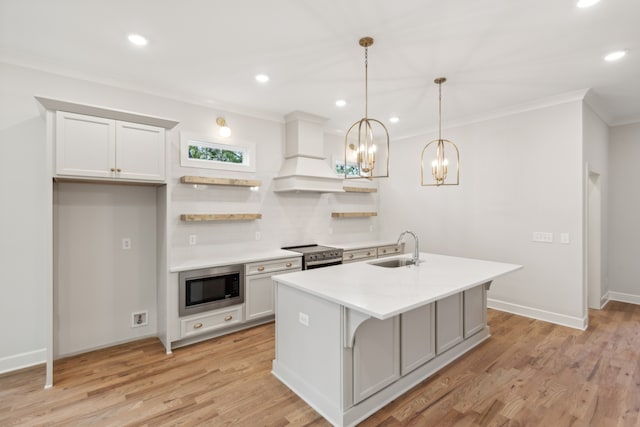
215,154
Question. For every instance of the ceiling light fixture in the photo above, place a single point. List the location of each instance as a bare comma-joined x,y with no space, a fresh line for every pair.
440,163
341,103
224,131
138,40
262,78
614,56
361,144
586,3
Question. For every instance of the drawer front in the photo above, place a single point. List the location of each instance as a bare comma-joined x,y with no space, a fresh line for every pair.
359,254
209,322
390,250
270,266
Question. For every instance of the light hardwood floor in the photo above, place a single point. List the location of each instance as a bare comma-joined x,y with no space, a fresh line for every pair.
528,373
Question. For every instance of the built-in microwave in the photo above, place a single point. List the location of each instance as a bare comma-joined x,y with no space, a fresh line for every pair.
210,288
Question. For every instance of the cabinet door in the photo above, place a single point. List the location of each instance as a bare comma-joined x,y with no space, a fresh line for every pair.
376,352
475,310
140,152
85,145
448,322
259,297
417,337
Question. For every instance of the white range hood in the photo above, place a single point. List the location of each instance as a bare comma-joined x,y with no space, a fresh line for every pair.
304,167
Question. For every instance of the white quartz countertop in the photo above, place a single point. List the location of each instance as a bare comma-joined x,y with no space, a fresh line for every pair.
361,245
218,260
385,292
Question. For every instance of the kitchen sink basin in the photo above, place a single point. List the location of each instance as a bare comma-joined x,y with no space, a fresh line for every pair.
394,263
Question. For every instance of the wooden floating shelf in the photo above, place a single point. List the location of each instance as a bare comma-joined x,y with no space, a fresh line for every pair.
220,217
353,214
205,180
360,189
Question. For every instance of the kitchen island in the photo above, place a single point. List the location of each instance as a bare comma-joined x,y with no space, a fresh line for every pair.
353,337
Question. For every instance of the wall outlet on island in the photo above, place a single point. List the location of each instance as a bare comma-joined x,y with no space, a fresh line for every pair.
193,239
303,318
139,318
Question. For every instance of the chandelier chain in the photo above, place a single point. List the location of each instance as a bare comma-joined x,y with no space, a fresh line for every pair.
366,83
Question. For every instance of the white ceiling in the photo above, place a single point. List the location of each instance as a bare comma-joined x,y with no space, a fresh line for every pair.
496,54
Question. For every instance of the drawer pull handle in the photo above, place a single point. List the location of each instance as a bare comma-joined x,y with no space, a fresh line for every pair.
197,326
261,268
350,255
229,317
289,264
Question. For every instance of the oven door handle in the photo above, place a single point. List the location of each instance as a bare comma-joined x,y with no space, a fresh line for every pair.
327,262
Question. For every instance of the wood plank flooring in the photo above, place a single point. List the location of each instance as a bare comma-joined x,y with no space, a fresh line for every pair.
530,373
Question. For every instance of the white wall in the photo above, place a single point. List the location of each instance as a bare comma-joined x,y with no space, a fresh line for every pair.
519,174
98,284
624,231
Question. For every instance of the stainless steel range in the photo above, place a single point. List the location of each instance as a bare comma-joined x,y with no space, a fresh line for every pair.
316,256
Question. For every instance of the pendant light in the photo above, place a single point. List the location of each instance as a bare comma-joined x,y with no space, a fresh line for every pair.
438,154
366,146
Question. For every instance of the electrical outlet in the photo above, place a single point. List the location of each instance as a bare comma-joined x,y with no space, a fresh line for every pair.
139,318
193,239
564,238
539,236
303,318
126,243
258,235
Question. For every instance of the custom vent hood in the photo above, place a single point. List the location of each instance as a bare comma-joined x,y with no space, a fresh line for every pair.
304,167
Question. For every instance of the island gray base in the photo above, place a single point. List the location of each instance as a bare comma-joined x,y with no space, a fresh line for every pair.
316,356
371,405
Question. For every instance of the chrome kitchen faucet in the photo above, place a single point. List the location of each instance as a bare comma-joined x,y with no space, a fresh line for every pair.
416,249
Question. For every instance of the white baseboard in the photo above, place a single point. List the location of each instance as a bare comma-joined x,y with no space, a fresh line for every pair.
23,360
622,297
534,313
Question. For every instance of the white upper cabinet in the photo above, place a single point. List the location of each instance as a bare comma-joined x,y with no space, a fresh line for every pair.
95,147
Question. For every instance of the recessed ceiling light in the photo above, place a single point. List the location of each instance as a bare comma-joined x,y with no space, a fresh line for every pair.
262,78
614,56
586,3
394,119
341,102
138,40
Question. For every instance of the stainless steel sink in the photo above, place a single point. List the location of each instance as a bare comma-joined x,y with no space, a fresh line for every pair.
394,263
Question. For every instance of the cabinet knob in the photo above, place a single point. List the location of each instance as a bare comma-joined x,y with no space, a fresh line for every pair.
396,249
350,256
384,251
289,264
197,326
118,170
113,169
229,317
368,253
261,268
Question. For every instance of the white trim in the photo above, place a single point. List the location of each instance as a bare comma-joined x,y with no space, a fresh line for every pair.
535,313
622,297
23,360
550,101
604,300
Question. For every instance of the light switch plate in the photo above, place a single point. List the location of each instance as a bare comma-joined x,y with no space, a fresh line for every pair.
303,318
126,243
543,237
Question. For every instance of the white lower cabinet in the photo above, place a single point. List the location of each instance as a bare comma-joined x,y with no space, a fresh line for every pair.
211,321
417,337
259,287
376,356
449,331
